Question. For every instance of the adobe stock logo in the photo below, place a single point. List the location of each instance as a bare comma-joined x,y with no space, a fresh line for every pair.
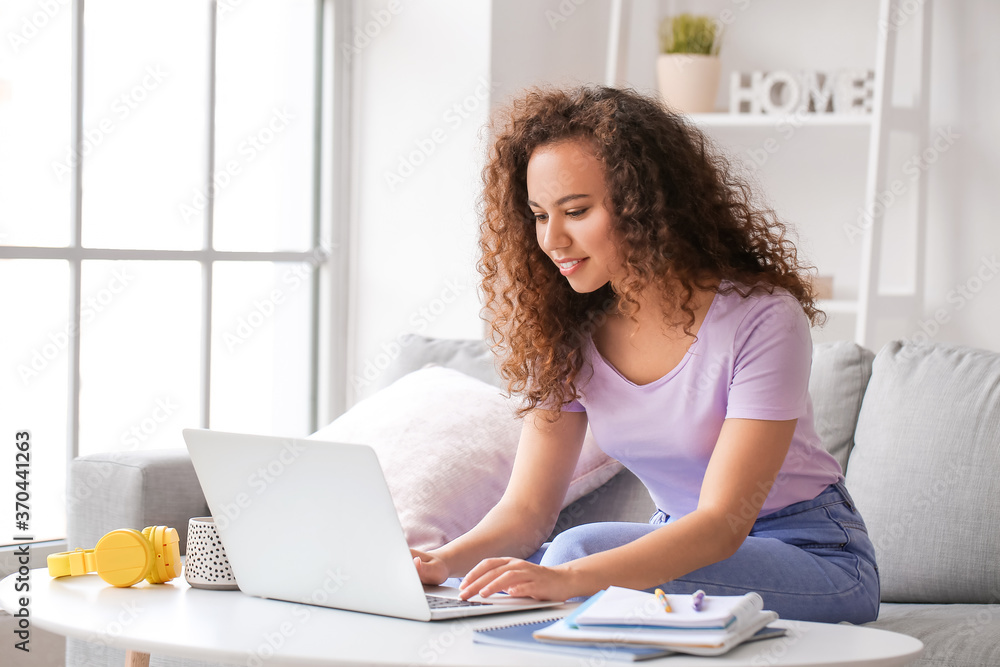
365,34
425,146
249,149
34,23
58,341
122,107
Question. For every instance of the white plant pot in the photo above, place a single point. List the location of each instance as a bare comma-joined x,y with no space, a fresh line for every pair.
688,82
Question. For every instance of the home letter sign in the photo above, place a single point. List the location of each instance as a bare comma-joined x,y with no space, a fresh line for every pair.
784,93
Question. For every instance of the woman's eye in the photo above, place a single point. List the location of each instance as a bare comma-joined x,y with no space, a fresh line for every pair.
576,214
541,217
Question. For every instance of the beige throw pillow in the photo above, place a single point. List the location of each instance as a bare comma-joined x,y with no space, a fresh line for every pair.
446,443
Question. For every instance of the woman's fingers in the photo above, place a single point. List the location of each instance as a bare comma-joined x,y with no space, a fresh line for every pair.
431,569
482,574
484,566
504,581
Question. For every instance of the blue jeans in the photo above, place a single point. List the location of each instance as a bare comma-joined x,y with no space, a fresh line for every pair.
811,561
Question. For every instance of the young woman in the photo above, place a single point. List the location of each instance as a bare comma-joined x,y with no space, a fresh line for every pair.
633,284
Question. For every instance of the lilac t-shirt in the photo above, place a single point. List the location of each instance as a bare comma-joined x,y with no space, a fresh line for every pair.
751,360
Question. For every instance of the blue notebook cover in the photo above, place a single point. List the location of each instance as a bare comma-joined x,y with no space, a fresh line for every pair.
519,636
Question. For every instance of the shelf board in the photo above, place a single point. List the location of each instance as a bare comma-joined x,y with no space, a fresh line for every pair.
723,119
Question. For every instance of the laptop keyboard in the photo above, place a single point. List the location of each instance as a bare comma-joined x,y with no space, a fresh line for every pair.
438,602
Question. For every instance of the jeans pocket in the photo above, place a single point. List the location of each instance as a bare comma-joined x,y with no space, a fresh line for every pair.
855,525
858,541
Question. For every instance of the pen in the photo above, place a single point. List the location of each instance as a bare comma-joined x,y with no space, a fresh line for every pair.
696,599
662,597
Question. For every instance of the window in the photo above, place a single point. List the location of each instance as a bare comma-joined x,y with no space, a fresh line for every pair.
168,186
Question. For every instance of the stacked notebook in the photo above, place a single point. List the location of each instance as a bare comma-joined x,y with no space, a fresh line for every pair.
625,624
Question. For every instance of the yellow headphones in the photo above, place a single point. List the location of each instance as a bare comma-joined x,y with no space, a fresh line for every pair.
125,557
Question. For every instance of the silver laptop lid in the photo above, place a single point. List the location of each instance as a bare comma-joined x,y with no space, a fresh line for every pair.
308,521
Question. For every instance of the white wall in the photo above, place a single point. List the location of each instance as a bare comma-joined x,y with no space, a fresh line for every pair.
964,226
557,42
423,96
411,242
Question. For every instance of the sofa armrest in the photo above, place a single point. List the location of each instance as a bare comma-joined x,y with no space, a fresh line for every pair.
131,489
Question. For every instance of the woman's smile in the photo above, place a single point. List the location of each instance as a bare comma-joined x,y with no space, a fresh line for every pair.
568,266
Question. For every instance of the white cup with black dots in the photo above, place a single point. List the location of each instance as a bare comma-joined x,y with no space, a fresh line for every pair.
205,563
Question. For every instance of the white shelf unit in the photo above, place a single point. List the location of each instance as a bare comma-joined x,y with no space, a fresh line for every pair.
722,119
872,304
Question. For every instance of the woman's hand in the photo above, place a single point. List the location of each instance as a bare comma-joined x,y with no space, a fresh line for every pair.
518,578
432,570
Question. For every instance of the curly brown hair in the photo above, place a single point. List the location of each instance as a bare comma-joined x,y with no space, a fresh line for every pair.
681,216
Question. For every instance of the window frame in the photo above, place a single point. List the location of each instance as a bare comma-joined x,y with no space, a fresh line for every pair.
329,253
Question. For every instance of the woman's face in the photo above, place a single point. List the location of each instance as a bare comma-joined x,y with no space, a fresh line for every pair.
566,193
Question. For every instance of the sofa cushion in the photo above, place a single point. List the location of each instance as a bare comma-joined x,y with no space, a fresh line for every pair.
840,373
411,352
956,635
622,498
446,442
925,472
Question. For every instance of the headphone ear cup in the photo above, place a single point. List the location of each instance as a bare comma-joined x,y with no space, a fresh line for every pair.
166,553
124,557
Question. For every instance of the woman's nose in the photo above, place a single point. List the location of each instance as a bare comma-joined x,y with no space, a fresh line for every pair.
554,236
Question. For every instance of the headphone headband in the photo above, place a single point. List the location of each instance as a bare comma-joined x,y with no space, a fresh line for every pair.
72,563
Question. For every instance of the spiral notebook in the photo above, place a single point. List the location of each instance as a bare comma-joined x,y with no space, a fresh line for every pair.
730,623
519,636
624,607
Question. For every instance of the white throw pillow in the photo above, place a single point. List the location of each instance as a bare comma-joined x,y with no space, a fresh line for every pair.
446,442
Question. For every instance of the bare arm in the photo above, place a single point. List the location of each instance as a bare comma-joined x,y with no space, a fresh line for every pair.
547,454
740,473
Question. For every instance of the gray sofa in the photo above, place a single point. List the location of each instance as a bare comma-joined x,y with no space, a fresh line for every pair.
917,429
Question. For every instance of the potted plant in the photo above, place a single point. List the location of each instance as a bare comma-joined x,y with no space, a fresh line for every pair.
688,65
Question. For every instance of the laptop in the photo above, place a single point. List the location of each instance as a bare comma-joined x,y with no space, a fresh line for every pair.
313,522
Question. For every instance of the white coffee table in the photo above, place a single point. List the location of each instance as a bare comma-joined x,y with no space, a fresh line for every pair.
228,626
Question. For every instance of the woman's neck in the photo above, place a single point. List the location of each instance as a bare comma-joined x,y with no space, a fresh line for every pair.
659,313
